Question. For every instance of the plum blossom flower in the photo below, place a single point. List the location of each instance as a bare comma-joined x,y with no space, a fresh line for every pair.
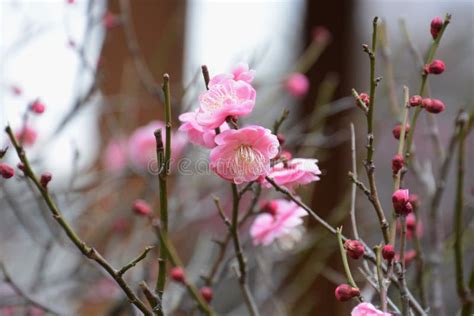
243,155
27,136
115,155
268,227
142,145
297,84
242,72
367,309
224,98
196,133
297,171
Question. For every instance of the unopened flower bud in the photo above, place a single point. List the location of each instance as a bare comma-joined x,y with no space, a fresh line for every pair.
6,171
415,100
436,26
345,292
354,248
321,34
206,293
401,204
364,97
397,163
270,207
411,222
297,85
37,107
110,20
388,252
21,166
45,179
436,67
141,207
435,106
397,130
177,274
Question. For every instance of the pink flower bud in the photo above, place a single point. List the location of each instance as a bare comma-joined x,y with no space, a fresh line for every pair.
397,130
45,179
397,163
415,100
345,292
110,20
410,255
436,67
27,136
436,26
141,207
411,222
281,139
177,274
355,249
37,107
16,90
206,293
321,34
415,201
426,102
21,166
364,97
297,85
435,106
401,204
6,171
270,207
388,252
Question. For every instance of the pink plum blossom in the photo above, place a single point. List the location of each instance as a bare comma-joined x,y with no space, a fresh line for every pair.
243,155
27,136
367,309
297,171
225,98
196,133
297,84
142,145
267,227
242,72
115,155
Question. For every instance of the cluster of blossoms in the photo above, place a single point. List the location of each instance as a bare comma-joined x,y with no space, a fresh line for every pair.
249,153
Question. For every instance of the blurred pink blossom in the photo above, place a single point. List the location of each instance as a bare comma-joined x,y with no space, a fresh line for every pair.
367,309
297,171
115,155
196,133
223,99
142,145
243,155
267,227
297,84
27,136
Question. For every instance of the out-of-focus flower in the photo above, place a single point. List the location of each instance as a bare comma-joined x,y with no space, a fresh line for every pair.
434,106
206,293
16,90
6,171
354,248
26,136
267,227
241,71
367,309
243,155
141,207
321,34
226,98
297,84
142,145
295,172
345,292
35,311
110,20
410,255
414,227
115,155
196,133
436,26
177,274
37,107
397,130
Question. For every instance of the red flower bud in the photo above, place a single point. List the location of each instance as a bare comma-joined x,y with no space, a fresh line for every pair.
177,274
345,292
436,67
364,97
321,34
415,100
45,179
436,26
281,139
6,171
397,130
270,207
37,107
401,204
411,222
397,163
141,207
355,249
388,252
110,20
426,102
206,293
435,106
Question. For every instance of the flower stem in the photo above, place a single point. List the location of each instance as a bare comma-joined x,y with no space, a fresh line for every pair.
402,272
345,263
380,278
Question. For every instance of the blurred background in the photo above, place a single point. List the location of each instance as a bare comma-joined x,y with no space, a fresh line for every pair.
94,64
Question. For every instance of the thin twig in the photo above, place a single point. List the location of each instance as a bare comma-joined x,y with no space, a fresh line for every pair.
134,262
380,278
354,186
402,272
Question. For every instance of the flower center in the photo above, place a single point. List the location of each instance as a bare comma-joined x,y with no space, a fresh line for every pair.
247,159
